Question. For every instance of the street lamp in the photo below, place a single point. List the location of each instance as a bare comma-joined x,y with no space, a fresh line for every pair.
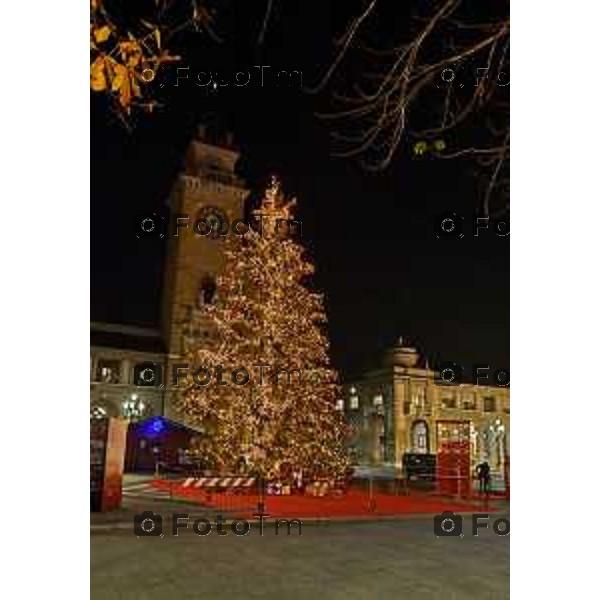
475,443
497,429
98,412
133,408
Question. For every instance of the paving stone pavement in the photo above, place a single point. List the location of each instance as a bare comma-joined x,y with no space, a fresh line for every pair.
332,561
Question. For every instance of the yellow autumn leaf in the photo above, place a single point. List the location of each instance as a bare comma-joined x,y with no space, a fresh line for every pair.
97,76
120,77
102,34
134,60
124,84
128,47
109,69
125,94
131,53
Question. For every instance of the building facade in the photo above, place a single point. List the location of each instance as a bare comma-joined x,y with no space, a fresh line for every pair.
403,407
119,355
125,361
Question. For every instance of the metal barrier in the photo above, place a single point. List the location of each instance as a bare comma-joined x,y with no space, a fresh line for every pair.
230,484
227,493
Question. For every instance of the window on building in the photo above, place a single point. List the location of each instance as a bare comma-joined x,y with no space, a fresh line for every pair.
378,401
449,402
418,398
108,371
489,404
208,290
354,402
470,403
339,404
407,408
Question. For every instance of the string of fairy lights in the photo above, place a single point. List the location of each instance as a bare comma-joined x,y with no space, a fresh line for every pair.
263,313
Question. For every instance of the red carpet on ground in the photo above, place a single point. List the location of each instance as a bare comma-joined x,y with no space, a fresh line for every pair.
354,503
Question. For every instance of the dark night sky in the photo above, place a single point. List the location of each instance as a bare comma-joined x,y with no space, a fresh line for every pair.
382,268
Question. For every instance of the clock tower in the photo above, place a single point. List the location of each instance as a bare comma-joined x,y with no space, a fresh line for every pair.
207,189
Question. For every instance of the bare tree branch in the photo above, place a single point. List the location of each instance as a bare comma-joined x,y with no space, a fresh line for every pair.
443,89
263,31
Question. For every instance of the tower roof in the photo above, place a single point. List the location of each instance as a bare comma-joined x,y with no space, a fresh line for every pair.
212,152
402,355
214,133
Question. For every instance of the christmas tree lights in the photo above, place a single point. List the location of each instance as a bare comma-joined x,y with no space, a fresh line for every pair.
263,314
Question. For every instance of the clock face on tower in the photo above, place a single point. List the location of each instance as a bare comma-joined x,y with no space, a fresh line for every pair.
212,222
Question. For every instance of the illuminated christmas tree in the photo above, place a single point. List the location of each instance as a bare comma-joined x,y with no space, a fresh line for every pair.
270,404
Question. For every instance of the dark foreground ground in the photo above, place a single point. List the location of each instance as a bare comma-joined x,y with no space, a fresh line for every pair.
332,561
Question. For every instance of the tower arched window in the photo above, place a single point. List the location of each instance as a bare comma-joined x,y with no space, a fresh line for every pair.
208,289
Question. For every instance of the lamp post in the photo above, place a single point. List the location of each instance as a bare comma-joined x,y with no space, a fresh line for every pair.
497,429
98,413
133,408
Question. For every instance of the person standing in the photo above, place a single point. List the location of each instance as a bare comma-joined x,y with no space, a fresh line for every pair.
482,471
487,478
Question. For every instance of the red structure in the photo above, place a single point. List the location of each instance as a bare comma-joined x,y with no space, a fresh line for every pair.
453,473
454,468
107,451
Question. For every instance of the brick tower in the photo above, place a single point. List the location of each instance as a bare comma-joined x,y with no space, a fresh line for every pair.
208,188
